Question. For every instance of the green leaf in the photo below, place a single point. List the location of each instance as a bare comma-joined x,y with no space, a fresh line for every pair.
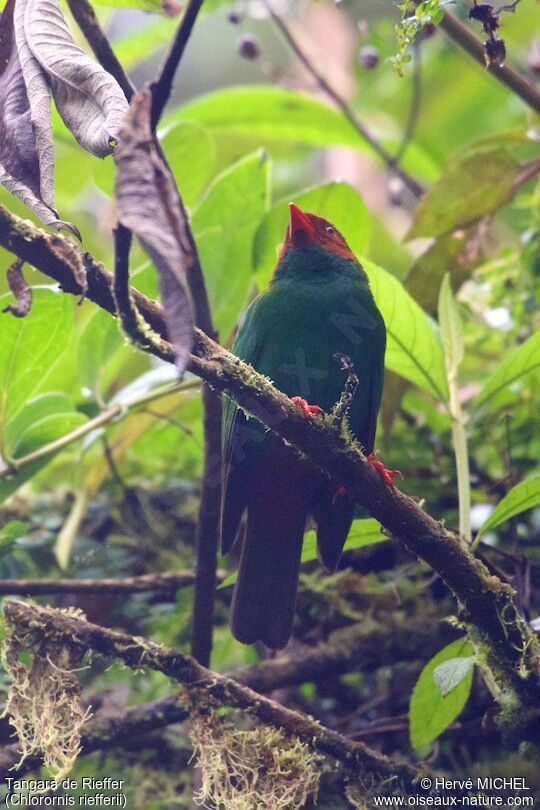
472,187
47,430
451,329
521,361
523,496
338,202
146,5
38,408
133,49
30,347
451,673
9,534
364,532
11,484
191,153
224,225
430,713
99,341
271,113
413,348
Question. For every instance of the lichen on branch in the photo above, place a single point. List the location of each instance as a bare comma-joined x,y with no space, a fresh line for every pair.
44,699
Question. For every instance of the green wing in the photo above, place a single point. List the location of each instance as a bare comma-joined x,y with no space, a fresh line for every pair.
236,429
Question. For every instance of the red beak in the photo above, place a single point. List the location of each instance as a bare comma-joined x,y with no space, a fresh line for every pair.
301,228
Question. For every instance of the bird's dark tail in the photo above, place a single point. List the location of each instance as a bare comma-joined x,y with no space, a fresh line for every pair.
264,596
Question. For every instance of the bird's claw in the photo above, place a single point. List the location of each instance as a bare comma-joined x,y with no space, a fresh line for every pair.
386,475
307,409
339,493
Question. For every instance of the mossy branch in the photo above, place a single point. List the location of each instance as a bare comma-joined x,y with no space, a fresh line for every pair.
209,688
510,650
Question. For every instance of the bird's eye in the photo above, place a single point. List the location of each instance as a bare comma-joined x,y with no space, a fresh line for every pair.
329,229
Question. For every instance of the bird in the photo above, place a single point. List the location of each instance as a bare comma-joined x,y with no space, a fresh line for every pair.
317,305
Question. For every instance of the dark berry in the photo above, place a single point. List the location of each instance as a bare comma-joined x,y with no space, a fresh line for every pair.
248,46
369,57
234,17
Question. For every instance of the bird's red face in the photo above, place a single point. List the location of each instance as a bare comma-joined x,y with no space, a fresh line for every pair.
305,229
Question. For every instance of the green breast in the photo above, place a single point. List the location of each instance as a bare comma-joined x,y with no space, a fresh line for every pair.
292,332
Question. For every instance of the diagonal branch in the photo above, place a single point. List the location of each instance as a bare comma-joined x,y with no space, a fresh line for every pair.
508,647
161,87
506,74
389,160
87,21
217,689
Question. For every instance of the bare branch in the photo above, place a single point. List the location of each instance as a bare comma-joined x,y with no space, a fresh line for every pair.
165,584
389,160
506,74
161,87
89,24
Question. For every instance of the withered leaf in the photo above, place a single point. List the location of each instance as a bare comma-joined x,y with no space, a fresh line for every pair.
20,289
88,98
26,165
147,203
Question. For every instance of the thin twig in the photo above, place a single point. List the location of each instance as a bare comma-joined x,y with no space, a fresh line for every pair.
164,584
341,408
506,74
161,86
89,24
414,106
112,413
390,161
209,505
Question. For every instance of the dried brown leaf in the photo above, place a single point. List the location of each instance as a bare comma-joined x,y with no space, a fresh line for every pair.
26,165
88,98
148,204
20,289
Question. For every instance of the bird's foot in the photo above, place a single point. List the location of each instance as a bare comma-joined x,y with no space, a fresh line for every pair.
386,475
339,493
307,409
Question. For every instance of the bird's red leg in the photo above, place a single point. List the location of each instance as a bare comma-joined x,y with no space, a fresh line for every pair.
307,409
386,475
339,493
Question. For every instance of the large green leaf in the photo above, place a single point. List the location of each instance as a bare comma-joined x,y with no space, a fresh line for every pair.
364,532
414,347
9,534
338,202
191,153
30,347
42,406
431,712
473,186
132,49
99,340
521,361
451,329
224,225
451,673
523,496
47,430
271,113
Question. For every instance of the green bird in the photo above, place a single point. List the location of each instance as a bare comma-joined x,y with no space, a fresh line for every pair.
318,304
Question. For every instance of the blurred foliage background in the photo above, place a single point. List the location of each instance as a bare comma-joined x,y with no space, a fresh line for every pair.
248,130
